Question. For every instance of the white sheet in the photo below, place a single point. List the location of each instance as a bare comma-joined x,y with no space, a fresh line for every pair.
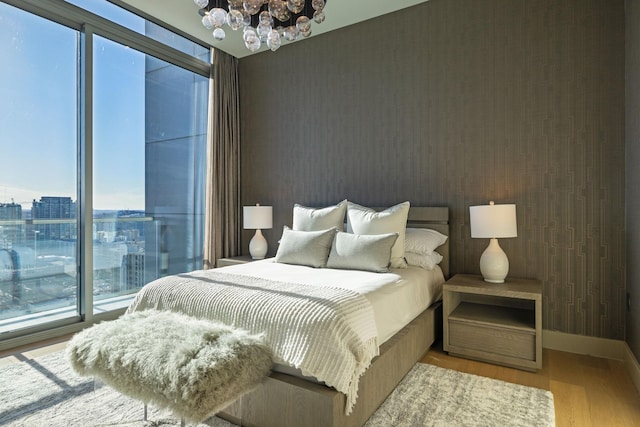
397,297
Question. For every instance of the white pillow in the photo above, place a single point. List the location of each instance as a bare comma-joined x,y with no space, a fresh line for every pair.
362,252
362,220
428,262
316,219
310,248
423,240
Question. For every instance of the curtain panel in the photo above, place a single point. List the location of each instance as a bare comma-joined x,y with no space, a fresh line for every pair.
222,200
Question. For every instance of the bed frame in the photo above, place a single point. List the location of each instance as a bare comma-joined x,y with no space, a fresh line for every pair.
287,401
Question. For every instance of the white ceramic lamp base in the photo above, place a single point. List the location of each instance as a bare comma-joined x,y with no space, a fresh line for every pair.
258,246
494,264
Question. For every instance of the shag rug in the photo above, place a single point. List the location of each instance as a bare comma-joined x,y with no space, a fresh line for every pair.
192,366
46,392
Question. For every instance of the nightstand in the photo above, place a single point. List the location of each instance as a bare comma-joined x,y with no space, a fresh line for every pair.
225,262
497,323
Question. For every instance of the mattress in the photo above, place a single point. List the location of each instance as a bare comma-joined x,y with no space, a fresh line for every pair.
397,297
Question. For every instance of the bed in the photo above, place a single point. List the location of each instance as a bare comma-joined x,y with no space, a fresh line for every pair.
292,395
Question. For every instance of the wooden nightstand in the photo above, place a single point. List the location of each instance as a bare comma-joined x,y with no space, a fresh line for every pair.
497,323
224,262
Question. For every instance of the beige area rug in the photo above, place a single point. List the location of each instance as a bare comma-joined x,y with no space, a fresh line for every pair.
46,392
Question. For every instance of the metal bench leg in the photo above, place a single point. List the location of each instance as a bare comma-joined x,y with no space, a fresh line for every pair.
144,418
181,422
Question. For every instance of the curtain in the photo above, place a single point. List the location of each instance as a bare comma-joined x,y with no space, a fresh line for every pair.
222,199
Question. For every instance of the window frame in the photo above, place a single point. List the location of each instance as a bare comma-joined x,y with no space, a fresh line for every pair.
88,25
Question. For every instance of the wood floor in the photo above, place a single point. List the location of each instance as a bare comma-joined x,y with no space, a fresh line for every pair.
588,391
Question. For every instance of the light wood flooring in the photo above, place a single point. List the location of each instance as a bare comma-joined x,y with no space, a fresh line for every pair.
588,391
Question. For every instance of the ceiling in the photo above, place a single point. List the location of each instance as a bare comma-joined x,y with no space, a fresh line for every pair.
183,15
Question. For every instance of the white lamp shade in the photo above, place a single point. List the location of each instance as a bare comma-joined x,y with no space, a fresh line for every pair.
493,221
258,217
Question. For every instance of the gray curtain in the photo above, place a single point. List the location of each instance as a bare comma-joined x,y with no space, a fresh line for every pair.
222,209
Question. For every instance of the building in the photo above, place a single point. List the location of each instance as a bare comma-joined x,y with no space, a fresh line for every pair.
49,207
132,275
10,233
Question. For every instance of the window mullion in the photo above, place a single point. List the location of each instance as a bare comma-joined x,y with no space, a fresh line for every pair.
85,174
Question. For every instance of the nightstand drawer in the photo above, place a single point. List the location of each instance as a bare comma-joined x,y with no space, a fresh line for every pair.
506,342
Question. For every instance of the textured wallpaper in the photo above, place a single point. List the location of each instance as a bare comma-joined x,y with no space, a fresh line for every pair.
632,123
456,103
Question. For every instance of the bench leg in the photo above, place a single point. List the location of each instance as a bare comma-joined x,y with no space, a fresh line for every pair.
144,416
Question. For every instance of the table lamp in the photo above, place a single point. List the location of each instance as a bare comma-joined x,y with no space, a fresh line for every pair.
258,218
492,222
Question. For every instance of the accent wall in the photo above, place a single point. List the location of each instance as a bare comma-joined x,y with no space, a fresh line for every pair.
456,103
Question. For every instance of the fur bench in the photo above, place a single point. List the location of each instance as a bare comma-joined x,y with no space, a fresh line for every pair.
194,367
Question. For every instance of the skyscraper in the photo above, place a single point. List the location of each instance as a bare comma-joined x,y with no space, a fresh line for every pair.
55,208
10,233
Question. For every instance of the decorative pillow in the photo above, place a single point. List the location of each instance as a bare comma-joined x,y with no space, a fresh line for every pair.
316,219
362,220
310,248
428,262
362,252
423,240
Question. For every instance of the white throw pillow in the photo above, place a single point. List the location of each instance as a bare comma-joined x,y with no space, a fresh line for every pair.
316,219
310,248
362,252
428,262
362,220
423,240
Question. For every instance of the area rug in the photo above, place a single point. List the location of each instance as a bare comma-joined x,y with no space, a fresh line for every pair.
46,392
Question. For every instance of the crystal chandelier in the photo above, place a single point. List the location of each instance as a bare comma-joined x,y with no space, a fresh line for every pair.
262,21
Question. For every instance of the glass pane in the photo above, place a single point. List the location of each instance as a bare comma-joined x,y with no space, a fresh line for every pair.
150,123
143,26
38,180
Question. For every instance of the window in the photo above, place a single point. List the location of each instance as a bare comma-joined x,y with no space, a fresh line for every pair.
38,179
143,26
149,142
147,137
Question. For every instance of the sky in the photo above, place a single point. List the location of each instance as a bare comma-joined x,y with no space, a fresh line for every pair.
38,123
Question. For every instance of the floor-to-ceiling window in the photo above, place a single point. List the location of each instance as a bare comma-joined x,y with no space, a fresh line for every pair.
102,149
39,88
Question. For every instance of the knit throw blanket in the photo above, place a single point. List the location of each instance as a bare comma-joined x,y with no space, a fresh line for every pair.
326,332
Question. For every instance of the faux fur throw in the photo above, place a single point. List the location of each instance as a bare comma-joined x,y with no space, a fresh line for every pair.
194,367
326,332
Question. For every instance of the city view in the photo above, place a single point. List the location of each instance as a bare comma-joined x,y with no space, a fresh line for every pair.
141,166
38,254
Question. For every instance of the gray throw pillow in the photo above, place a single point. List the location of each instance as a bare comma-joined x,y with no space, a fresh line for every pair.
362,252
310,248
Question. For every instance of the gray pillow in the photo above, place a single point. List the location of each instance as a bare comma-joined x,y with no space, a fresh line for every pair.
363,220
316,219
362,252
310,248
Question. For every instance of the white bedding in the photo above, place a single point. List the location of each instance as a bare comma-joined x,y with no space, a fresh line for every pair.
397,297
342,316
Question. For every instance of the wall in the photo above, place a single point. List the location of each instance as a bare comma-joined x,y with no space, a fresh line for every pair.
633,172
455,103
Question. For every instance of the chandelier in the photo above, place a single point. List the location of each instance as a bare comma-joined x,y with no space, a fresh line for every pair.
262,21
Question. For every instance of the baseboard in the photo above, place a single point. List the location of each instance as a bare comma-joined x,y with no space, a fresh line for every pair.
594,346
633,367
581,344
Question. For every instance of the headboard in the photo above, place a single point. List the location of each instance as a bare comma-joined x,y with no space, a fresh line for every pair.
436,218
